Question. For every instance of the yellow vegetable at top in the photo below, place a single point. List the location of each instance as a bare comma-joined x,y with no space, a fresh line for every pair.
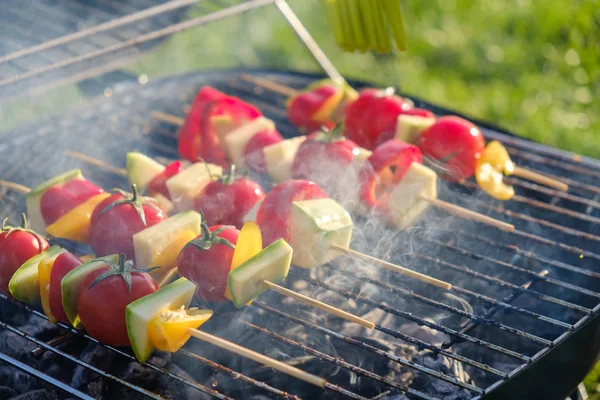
249,244
491,168
44,269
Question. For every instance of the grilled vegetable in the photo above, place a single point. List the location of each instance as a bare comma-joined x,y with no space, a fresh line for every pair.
158,184
159,245
75,224
186,185
491,168
51,272
314,226
159,321
249,244
254,156
271,264
117,218
55,197
105,293
17,246
384,169
323,157
24,284
409,127
238,139
228,199
456,144
273,215
280,156
141,169
313,108
71,285
206,261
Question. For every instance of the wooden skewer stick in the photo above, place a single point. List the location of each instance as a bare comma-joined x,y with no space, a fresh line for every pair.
468,214
271,85
394,268
539,178
259,358
96,162
15,186
168,118
318,304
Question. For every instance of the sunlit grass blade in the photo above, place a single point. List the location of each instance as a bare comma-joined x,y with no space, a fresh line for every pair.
356,22
369,22
385,43
333,12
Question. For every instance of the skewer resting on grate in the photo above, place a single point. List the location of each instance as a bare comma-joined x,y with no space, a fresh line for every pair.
516,170
441,204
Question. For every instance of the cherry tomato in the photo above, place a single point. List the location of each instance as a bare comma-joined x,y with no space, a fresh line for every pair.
311,110
17,245
322,158
253,154
117,218
62,265
384,169
273,215
206,261
455,143
60,199
201,136
102,300
158,184
228,200
372,118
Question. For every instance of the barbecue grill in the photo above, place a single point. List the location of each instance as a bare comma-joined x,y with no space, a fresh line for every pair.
520,322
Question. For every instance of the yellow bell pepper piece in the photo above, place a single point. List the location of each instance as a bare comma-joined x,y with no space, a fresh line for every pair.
168,331
491,168
44,269
75,225
167,259
249,244
327,109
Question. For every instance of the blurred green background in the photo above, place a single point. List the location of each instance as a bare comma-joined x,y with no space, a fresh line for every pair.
531,66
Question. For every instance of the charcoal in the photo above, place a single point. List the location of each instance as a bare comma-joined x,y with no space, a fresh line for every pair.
6,393
41,394
17,380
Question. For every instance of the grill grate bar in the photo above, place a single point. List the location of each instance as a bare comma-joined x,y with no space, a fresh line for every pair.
508,285
79,362
552,192
238,375
323,356
530,255
551,161
553,281
137,16
358,343
577,250
217,15
47,378
426,300
153,367
488,314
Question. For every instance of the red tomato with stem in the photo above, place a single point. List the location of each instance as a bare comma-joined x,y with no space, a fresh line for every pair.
60,199
384,169
455,144
227,200
254,157
323,157
273,215
158,184
17,245
372,118
117,218
103,296
63,264
206,261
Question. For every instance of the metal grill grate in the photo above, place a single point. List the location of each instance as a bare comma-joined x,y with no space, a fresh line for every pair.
531,291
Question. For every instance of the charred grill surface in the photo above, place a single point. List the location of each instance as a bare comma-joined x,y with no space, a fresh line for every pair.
518,299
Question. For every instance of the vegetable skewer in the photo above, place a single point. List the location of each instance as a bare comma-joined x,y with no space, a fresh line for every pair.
142,241
517,171
448,207
398,269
